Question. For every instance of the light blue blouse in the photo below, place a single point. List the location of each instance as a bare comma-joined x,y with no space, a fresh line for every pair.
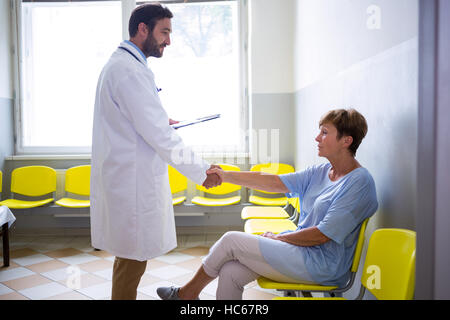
338,209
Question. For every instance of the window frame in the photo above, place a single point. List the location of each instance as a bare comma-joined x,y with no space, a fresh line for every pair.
127,8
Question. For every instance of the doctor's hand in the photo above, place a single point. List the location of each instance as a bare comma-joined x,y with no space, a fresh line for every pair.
212,179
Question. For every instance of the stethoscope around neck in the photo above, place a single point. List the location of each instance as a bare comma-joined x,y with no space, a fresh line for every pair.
134,56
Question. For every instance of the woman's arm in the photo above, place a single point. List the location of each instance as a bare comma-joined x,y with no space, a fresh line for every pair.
305,237
253,180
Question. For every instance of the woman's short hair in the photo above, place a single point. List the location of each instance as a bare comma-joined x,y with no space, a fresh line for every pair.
150,14
348,122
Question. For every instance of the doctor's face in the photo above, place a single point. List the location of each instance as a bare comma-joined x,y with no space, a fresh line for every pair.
158,39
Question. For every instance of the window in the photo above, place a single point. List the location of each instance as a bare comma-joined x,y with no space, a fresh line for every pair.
200,74
64,45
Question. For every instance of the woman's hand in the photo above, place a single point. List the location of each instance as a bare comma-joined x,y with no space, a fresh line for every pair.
270,235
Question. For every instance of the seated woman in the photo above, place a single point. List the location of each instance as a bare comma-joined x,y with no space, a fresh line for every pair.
336,197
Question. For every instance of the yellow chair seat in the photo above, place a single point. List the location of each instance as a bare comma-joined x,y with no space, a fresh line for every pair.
306,298
73,203
255,212
271,284
24,204
178,200
262,201
202,201
259,226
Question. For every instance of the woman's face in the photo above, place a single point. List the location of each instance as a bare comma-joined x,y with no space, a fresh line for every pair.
328,143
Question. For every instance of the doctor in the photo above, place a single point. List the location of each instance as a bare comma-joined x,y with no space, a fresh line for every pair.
131,202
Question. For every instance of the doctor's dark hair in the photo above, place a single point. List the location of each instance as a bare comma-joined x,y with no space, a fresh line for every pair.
150,14
348,123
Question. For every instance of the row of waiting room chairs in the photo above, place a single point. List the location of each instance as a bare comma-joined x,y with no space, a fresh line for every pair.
38,181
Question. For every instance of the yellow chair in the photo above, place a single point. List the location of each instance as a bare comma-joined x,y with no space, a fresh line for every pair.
178,183
272,168
306,289
259,226
256,212
31,181
223,189
77,181
389,269
271,212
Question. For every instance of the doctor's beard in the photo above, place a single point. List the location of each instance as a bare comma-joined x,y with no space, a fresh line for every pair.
152,48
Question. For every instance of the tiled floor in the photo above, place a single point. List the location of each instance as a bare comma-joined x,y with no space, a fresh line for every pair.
68,268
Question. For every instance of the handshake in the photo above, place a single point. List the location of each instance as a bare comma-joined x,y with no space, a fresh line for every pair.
214,177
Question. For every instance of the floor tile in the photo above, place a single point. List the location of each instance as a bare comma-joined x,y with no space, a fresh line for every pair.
84,281
174,257
97,265
44,291
19,253
79,258
168,272
155,264
105,274
33,259
97,292
47,266
13,296
11,274
61,253
151,289
147,280
71,295
192,264
63,273
26,282
196,251
141,296
4,289
100,254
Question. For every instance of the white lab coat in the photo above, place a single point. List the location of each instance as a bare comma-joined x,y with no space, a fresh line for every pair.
131,203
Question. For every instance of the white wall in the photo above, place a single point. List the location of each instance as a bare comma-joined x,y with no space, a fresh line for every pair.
272,46
333,35
6,87
340,63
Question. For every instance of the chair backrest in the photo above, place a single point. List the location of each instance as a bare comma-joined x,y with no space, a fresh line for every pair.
272,168
389,268
177,181
33,180
295,203
226,187
359,246
78,180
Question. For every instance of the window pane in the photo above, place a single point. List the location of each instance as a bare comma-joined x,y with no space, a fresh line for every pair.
199,73
64,48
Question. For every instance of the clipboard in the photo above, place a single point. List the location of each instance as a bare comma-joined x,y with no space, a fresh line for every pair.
191,122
